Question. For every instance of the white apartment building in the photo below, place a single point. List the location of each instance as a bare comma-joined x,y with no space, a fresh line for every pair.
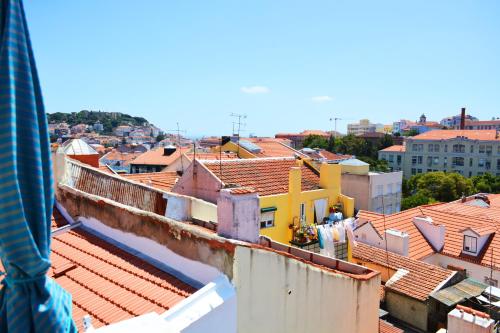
373,191
364,126
467,152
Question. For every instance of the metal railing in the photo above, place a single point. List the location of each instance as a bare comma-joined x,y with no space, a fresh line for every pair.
93,181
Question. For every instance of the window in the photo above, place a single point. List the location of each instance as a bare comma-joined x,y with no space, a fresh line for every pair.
429,160
413,171
267,219
458,161
436,148
414,160
498,149
458,148
481,162
436,160
399,159
487,165
417,147
420,159
470,244
498,164
489,149
382,157
303,212
419,170
471,149
470,162
481,149
431,148
445,148
391,158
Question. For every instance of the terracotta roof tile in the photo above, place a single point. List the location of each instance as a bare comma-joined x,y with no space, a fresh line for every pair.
455,217
156,157
106,169
421,280
266,176
212,156
486,135
385,327
161,180
395,148
125,157
273,147
108,283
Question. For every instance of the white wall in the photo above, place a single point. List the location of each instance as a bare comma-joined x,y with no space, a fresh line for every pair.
474,271
195,270
280,295
366,234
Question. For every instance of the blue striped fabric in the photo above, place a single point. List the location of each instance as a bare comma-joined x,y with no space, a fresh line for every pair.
30,301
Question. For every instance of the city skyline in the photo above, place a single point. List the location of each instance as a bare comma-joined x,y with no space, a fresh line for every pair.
288,66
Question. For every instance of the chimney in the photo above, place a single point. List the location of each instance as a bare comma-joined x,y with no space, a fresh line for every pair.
397,241
432,232
238,214
462,119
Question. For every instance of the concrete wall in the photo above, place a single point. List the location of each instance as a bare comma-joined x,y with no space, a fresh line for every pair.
198,182
296,297
406,309
357,187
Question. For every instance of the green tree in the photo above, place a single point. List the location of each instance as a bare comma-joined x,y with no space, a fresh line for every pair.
331,144
386,141
415,200
160,137
411,132
315,141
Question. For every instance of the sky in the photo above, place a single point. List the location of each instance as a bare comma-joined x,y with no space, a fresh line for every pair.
287,65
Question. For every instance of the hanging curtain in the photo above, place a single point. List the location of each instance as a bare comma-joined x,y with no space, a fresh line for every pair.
29,300
320,206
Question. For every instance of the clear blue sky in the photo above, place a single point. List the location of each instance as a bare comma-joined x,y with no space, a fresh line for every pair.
289,65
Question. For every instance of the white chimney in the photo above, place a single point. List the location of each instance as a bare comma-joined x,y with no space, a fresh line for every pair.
463,319
238,214
397,241
432,232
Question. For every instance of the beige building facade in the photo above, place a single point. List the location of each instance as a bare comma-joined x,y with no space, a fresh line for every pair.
468,153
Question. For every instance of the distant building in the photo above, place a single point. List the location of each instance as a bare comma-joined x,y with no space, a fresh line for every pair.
258,147
297,139
156,159
454,122
364,126
98,127
483,125
422,125
467,152
123,130
401,126
373,191
78,129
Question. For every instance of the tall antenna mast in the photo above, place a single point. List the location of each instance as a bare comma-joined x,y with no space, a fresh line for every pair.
179,131
335,120
239,116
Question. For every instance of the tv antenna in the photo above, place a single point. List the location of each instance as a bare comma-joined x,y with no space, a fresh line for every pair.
239,117
179,131
335,120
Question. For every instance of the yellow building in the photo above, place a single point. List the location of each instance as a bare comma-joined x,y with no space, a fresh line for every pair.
291,192
260,148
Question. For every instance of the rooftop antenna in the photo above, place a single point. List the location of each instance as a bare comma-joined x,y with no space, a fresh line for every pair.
179,131
239,116
335,121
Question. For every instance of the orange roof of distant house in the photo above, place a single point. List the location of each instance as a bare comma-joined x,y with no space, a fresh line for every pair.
420,281
481,135
273,147
212,156
156,157
455,221
160,180
125,157
395,148
267,176
334,157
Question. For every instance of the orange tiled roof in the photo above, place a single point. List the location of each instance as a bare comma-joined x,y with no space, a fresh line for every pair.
160,180
273,147
395,148
126,157
266,176
106,169
334,157
421,280
212,156
482,135
156,157
455,223
108,283
385,327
